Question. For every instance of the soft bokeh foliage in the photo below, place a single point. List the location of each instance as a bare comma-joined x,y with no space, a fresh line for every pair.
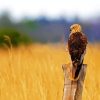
9,36
43,29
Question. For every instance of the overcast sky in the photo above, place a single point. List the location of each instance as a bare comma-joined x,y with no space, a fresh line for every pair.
51,8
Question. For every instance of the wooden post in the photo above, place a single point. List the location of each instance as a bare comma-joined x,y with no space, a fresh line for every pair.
73,88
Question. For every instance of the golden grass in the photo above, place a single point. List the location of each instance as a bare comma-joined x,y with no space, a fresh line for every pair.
35,73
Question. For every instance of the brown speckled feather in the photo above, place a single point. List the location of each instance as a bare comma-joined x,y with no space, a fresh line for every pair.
77,43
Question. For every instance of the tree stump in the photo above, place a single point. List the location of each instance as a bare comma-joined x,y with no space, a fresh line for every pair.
73,88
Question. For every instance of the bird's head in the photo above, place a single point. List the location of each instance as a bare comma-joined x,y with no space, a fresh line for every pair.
75,28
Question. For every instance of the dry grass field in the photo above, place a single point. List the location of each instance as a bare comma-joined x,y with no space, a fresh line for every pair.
35,72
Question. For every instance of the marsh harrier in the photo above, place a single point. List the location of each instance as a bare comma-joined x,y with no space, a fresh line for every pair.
77,43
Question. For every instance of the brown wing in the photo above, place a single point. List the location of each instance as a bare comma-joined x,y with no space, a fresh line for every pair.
77,45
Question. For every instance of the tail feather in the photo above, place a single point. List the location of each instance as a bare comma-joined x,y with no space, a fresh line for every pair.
76,68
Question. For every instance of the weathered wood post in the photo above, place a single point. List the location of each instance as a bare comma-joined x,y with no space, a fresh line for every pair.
73,88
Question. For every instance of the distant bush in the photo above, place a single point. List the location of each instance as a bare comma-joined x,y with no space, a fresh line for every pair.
13,37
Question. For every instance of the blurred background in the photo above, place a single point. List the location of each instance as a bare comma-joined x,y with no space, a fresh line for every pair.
47,21
33,71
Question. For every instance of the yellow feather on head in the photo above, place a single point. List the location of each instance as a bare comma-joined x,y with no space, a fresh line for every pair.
75,28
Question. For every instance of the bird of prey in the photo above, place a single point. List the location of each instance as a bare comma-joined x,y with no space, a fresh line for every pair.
77,43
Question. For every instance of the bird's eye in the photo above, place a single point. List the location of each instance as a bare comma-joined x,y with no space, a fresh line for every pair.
70,30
